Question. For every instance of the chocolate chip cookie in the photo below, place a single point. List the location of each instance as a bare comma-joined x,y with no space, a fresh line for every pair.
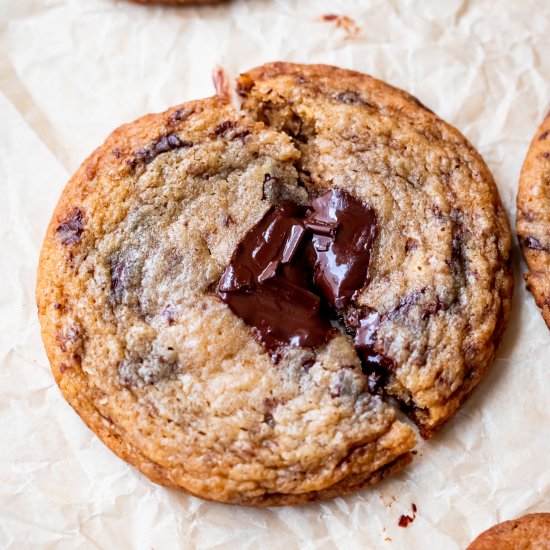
229,297
533,217
530,532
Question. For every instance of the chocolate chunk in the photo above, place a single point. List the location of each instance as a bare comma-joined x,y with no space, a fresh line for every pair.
544,135
71,229
532,243
68,338
240,135
119,275
349,97
291,255
411,244
223,127
257,288
344,231
179,114
168,142
269,420
375,364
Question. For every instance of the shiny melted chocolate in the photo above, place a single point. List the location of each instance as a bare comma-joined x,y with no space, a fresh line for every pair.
294,257
268,283
344,230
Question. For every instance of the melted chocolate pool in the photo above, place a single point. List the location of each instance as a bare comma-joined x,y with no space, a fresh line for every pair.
296,264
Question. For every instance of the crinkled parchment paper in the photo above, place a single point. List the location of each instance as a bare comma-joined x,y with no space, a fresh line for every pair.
73,70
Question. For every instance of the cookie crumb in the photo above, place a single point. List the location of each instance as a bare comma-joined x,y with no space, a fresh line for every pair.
405,520
343,22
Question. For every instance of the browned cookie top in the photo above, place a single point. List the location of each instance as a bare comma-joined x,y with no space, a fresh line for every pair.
530,532
179,385
533,217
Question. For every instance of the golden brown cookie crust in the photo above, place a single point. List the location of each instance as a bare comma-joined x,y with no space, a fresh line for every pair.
177,385
529,532
533,217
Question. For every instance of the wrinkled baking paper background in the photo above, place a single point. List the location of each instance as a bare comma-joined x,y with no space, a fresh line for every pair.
73,70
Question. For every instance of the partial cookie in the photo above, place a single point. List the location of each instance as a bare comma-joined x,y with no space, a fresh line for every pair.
146,311
530,532
440,279
533,217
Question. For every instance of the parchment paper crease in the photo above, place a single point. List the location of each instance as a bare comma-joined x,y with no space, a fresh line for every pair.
73,70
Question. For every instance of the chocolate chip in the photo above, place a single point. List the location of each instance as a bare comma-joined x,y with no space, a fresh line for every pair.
410,245
532,243
546,155
350,97
180,114
223,127
168,142
433,308
68,337
269,420
71,228
119,275
228,220
544,135
240,135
